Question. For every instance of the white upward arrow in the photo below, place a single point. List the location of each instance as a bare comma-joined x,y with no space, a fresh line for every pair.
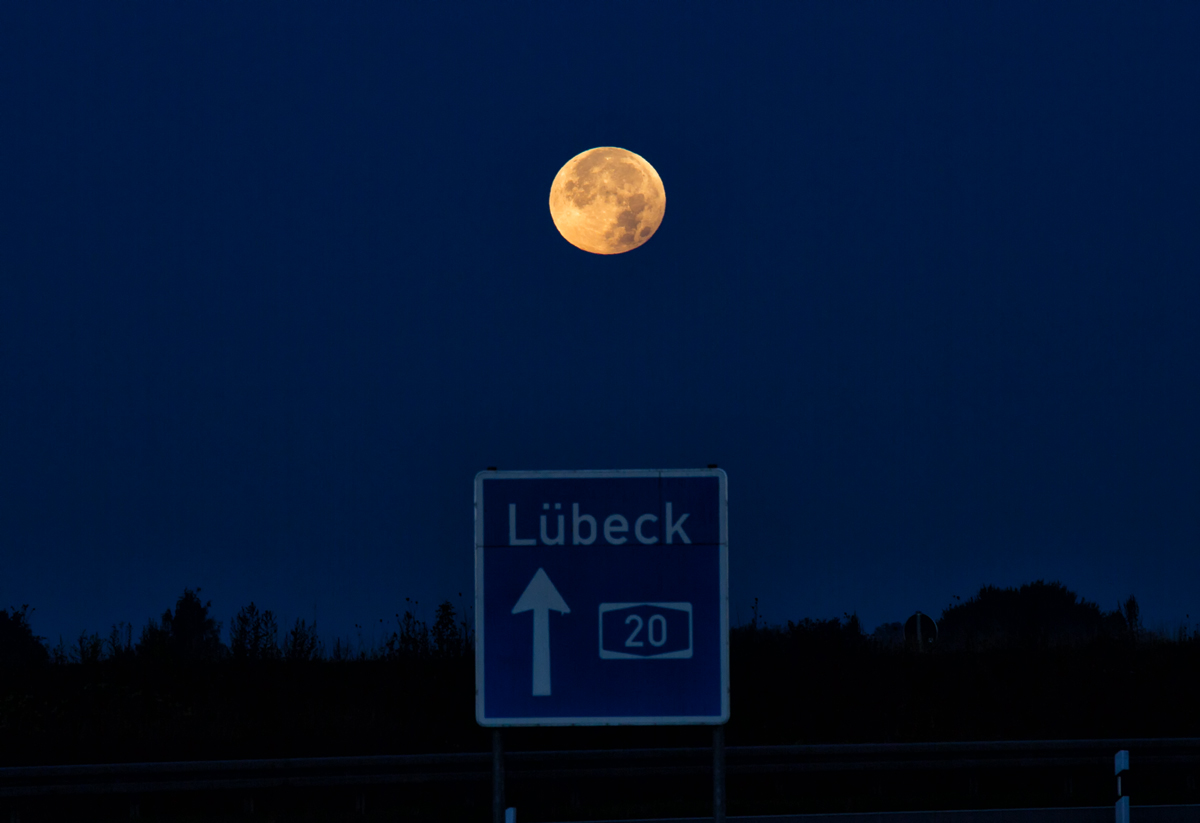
540,597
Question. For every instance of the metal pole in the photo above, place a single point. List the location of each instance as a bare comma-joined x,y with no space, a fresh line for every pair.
497,777
719,774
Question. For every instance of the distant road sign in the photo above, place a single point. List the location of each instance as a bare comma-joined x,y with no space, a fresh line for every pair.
920,632
601,597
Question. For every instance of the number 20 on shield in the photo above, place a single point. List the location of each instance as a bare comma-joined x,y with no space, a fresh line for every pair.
645,631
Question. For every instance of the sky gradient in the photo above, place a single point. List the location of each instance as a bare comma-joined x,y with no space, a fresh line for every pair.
277,280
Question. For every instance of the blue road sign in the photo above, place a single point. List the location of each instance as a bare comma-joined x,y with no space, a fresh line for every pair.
601,598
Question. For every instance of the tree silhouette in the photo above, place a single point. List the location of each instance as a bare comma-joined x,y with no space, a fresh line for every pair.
18,644
450,636
119,644
411,641
88,649
1133,616
254,635
301,644
154,645
188,635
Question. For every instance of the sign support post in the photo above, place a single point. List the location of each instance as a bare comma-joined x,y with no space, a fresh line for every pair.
719,774
497,777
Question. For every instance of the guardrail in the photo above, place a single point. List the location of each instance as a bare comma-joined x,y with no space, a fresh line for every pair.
315,772
1071,814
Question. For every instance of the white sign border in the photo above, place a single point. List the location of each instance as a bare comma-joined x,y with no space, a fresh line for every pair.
723,562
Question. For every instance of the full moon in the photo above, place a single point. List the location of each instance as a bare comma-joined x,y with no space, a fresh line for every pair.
607,200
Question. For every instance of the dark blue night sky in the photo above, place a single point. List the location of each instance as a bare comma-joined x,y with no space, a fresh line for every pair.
277,280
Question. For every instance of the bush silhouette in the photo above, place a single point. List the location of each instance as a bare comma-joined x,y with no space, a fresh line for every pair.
1037,615
18,644
889,636
806,638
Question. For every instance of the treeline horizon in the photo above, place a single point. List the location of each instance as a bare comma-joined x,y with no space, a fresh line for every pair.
1031,616
190,634
1019,663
